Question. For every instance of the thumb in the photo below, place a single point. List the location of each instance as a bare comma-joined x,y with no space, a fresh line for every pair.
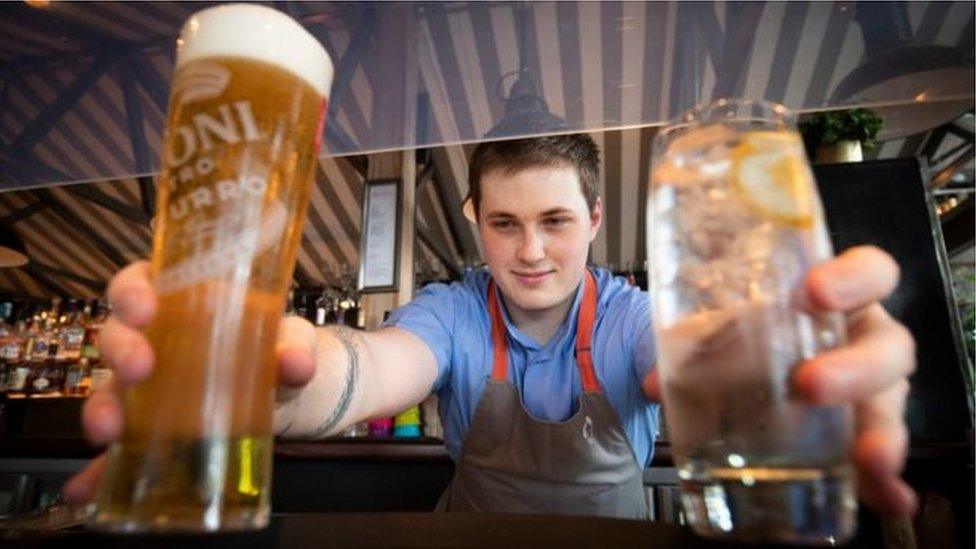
296,346
652,385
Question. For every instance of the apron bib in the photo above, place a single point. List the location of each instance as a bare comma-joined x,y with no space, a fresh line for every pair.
514,463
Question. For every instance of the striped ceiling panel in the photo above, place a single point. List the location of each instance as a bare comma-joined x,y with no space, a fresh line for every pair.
53,242
26,42
627,63
18,282
72,109
60,237
80,81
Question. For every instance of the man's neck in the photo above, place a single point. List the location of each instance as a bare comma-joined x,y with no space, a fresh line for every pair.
541,324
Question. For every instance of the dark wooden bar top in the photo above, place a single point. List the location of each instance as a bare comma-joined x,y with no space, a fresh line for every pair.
402,530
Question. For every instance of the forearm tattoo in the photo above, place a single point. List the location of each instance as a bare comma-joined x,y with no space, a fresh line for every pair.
347,337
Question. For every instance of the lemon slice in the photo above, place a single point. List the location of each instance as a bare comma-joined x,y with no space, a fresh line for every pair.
769,175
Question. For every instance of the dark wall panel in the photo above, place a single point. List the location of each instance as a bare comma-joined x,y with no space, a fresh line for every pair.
884,203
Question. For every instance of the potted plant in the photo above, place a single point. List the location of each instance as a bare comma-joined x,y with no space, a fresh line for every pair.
840,136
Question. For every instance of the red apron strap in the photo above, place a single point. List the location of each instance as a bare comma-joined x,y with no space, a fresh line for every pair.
584,335
499,369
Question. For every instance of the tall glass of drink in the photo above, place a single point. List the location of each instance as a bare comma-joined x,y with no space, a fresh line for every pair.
735,222
246,112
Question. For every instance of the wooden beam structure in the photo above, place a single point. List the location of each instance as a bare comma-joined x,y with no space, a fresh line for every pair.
137,135
23,213
52,112
80,225
94,285
96,196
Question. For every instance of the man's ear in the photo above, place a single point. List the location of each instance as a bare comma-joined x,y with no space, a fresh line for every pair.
596,218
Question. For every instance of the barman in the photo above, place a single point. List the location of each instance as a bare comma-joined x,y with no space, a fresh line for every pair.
544,368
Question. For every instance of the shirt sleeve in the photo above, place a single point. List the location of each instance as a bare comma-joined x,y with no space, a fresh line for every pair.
430,316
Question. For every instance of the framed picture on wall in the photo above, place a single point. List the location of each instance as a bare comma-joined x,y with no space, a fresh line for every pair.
379,252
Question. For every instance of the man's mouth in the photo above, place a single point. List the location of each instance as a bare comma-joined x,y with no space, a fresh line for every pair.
532,278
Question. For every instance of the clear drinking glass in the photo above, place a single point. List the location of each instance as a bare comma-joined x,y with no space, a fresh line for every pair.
735,222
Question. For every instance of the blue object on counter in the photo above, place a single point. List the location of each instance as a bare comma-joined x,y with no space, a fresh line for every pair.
406,431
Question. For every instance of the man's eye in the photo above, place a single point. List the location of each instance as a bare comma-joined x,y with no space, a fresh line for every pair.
502,225
557,221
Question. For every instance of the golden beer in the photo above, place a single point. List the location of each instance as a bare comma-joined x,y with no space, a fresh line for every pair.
246,110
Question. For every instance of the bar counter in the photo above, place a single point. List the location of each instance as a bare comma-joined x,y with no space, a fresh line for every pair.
335,487
405,530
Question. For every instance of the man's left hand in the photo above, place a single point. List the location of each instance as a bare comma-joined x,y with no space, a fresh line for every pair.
870,372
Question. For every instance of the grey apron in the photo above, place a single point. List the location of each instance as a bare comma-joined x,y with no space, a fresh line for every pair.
513,463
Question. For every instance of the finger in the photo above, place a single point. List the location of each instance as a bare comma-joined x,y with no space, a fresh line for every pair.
879,486
296,361
126,350
132,295
652,385
881,352
81,488
101,417
880,452
854,279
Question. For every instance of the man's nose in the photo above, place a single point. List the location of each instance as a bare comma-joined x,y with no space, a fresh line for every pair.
532,249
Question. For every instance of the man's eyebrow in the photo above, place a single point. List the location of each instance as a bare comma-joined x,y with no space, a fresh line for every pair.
556,211
492,215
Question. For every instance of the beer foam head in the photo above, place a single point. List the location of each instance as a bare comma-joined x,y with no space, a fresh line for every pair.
255,32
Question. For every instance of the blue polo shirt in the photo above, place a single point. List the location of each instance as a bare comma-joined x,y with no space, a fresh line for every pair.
453,321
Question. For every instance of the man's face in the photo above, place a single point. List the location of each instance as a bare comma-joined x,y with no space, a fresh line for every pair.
536,230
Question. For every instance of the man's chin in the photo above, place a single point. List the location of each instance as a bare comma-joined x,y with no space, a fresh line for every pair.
534,300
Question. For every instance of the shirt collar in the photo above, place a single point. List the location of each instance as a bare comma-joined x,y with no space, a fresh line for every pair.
568,326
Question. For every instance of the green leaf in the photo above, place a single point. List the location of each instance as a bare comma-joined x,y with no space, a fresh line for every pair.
827,128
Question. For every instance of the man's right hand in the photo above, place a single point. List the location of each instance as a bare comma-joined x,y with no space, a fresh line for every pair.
124,348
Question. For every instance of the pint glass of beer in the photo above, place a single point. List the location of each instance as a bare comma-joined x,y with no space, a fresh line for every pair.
246,114
735,223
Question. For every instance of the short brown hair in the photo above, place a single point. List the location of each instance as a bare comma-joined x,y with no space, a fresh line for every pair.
578,151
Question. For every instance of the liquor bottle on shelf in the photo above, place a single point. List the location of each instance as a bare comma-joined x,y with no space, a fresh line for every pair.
322,307
51,335
35,348
12,350
35,351
47,376
72,336
100,374
301,308
75,377
17,380
93,374
84,388
6,329
89,344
